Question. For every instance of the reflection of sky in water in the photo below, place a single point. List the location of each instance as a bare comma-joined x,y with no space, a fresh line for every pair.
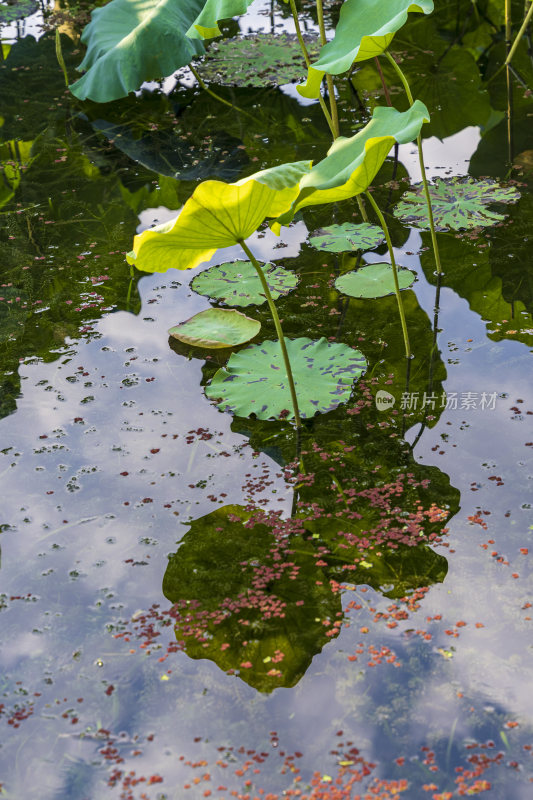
92,543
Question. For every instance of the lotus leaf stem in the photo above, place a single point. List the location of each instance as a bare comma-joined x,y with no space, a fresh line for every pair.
394,272
519,35
329,79
409,94
508,79
279,330
206,88
59,56
333,118
307,60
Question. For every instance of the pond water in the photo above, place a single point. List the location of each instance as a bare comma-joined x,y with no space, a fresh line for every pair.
176,621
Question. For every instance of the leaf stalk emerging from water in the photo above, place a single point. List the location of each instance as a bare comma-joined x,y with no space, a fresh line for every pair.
409,94
279,330
394,272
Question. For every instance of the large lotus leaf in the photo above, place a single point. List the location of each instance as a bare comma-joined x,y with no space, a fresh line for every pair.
352,164
257,60
241,606
237,283
457,202
216,328
205,26
373,280
365,29
348,236
217,215
132,41
255,381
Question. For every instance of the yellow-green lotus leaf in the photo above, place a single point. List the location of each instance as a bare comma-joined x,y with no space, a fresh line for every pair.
365,29
352,164
217,215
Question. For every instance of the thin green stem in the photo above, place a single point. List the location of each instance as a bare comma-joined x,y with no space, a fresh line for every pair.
409,94
401,76
519,35
362,208
329,79
394,272
206,88
509,80
307,60
59,56
279,330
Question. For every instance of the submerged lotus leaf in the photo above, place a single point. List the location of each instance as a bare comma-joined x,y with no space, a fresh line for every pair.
132,41
19,10
175,154
348,236
365,29
237,283
373,280
217,215
254,381
238,604
215,328
457,202
352,164
257,60
205,26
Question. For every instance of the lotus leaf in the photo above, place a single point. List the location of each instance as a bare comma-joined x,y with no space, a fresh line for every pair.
458,203
215,328
19,10
365,29
172,153
373,280
237,283
352,164
217,215
132,41
205,25
255,382
257,60
216,583
348,236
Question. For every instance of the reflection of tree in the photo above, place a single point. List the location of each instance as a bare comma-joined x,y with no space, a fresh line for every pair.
251,597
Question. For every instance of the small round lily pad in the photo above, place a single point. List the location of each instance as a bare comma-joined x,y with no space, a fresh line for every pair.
457,202
258,60
348,236
215,328
373,280
254,381
237,283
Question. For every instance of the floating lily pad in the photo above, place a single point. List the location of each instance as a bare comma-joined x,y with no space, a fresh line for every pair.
216,328
458,203
254,380
18,10
373,280
348,236
237,283
258,60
